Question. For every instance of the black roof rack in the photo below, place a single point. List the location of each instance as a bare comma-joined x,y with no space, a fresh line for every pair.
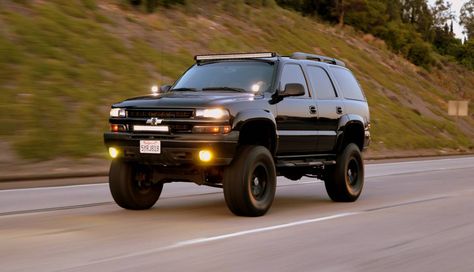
305,56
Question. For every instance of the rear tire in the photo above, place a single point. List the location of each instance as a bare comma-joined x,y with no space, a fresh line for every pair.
131,186
345,180
250,181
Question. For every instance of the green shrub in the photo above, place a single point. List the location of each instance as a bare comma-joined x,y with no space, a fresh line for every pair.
466,54
420,53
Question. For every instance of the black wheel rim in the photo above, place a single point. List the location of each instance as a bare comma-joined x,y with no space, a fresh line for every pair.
142,181
353,172
259,182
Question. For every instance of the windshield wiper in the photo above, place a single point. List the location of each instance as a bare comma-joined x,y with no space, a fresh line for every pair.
225,89
185,90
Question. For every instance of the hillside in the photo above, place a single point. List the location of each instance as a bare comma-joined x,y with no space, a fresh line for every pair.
63,63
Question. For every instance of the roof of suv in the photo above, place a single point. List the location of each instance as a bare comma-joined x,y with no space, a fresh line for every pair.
269,56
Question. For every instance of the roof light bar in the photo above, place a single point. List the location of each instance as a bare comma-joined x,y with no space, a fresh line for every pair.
235,56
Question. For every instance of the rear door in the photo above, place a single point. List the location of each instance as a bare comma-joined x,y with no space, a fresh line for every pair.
296,116
330,107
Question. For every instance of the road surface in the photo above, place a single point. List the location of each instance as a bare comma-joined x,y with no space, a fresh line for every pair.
412,216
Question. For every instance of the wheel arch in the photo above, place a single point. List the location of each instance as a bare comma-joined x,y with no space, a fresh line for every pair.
257,127
351,130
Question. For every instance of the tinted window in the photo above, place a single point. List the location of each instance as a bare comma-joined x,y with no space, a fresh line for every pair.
251,76
348,84
322,85
292,73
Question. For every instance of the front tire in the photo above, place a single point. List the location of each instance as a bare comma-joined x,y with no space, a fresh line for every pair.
250,181
345,180
131,186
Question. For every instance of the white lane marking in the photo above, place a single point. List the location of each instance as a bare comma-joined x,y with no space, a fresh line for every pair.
225,236
299,182
412,171
422,161
258,230
55,187
104,185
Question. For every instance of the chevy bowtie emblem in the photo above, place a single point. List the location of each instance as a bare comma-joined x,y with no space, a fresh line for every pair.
154,121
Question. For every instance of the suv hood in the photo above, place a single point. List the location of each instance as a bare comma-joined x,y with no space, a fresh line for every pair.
186,100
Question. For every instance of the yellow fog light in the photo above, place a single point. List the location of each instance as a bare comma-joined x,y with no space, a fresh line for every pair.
113,152
205,155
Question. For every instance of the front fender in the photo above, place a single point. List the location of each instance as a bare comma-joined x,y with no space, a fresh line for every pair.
252,115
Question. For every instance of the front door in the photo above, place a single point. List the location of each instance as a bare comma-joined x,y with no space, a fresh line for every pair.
296,118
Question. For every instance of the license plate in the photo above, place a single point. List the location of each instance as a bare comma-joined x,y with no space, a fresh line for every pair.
150,147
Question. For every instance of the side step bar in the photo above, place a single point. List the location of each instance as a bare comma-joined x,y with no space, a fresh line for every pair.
305,161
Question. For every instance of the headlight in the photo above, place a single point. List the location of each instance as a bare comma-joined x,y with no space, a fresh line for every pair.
212,113
117,112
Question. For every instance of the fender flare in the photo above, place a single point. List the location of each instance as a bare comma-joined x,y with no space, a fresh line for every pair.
248,116
252,115
344,122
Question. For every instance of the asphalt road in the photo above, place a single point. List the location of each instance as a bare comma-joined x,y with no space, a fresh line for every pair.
412,216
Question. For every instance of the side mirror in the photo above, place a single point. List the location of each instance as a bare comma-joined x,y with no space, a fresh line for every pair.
292,89
165,88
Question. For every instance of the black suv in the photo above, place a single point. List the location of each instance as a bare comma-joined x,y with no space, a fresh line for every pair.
237,121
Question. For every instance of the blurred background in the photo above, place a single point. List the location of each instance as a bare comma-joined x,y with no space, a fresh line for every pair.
63,63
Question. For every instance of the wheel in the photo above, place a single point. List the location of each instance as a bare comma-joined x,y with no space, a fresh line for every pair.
131,187
250,181
345,180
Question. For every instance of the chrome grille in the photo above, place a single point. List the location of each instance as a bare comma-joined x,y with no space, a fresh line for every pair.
163,114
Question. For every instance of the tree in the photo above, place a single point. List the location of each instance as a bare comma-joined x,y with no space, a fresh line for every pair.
443,37
393,10
323,8
342,6
418,14
370,17
442,13
466,18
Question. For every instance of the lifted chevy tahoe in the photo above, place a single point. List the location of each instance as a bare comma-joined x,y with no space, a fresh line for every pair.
237,121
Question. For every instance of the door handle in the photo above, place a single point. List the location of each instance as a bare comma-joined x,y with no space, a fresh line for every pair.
339,110
312,109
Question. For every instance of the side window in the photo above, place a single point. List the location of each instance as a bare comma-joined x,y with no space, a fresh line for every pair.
348,83
322,85
292,73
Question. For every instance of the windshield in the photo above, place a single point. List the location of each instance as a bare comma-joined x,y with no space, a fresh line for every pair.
238,76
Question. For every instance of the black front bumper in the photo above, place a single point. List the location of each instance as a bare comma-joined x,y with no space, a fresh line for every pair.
176,150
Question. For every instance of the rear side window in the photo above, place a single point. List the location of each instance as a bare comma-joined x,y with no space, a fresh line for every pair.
322,85
348,83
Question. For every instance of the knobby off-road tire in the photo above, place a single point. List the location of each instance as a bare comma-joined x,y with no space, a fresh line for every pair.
345,180
131,187
250,181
